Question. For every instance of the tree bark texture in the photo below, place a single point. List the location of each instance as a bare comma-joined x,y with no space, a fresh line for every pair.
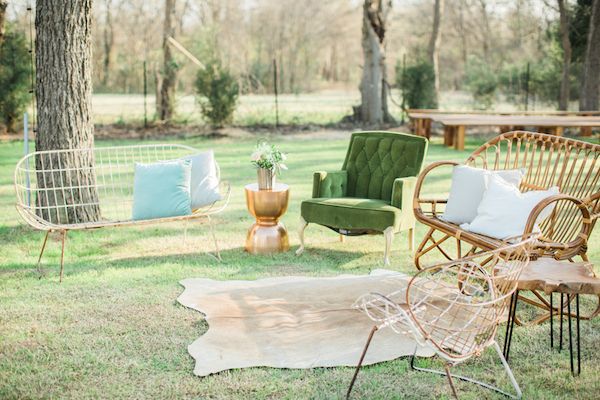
563,101
434,45
64,106
3,5
588,98
373,85
169,73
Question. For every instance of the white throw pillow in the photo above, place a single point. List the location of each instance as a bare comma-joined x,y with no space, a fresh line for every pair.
467,188
504,210
204,185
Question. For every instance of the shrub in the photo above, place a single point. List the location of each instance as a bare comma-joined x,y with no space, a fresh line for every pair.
481,82
217,93
417,83
14,78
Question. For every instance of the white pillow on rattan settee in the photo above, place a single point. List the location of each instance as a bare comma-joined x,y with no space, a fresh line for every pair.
467,189
204,186
504,210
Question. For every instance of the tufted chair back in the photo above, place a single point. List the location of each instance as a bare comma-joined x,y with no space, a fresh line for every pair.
375,159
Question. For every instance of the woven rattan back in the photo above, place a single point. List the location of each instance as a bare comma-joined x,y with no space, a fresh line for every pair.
572,165
54,187
458,305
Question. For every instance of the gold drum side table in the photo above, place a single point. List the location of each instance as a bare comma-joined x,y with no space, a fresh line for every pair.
267,235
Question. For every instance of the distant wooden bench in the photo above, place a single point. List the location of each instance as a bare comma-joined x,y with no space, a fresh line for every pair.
455,125
421,119
55,188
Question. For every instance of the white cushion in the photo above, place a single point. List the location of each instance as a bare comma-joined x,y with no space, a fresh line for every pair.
467,188
204,185
504,210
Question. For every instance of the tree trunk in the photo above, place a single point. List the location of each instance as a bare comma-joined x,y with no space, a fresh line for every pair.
588,100
63,50
434,45
3,5
169,73
373,86
563,101
108,45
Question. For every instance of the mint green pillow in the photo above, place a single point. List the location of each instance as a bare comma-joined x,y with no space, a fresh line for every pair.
162,190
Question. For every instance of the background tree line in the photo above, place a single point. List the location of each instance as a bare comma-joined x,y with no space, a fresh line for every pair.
482,46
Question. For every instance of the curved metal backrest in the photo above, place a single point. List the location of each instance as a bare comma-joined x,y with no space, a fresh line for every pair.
457,306
572,165
55,189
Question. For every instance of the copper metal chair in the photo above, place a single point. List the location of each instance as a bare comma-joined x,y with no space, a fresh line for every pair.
453,308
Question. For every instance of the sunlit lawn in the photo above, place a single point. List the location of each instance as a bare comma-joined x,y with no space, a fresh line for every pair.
113,328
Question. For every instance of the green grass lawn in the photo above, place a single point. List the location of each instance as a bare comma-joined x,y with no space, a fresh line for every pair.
113,328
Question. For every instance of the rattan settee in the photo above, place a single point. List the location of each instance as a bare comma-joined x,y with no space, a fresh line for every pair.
56,189
572,165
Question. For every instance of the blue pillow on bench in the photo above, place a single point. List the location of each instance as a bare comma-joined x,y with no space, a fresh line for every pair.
162,190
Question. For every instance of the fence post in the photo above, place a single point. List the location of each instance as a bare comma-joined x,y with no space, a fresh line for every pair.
527,88
276,94
145,93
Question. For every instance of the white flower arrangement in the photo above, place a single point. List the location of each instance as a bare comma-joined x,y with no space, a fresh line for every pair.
267,156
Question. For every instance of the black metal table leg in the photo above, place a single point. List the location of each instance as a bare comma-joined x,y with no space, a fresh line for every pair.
508,322
551,330
512,324
570,335
561,322
578,337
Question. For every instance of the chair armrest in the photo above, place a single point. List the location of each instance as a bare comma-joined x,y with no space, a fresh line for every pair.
568,236
403,191
329,184
417,200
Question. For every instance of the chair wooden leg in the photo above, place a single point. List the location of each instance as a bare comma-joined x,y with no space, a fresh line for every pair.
62,255
360,361
388,233
342,238
301,229
411,240
41,254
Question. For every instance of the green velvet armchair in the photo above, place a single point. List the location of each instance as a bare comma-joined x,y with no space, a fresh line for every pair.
373,193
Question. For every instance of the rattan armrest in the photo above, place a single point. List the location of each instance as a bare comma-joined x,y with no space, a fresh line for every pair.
568,238
417,200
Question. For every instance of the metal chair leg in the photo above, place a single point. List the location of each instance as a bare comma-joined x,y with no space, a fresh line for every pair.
518,394
449,376
62,255
360,361
39,270
212,232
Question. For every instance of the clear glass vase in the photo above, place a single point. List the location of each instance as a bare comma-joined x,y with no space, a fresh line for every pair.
266,179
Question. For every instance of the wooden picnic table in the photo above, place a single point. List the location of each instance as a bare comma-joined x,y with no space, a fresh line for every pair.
455,124
421,119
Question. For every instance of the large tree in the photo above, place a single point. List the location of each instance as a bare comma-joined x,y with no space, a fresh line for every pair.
563,100
166,100
3,5
588,98
63,50
434,45
373,86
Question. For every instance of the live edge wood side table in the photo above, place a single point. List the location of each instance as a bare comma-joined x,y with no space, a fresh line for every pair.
570,279
267,235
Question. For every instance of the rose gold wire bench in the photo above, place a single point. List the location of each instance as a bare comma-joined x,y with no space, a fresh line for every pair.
572,165
76,189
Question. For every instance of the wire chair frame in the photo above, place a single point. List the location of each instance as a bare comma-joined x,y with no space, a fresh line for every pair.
76,189
454,308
